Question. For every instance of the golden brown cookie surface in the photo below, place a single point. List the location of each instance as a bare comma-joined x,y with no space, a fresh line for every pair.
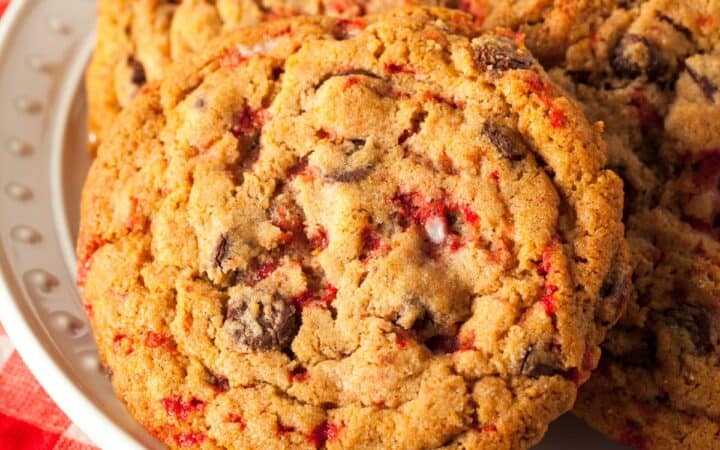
137,40
280,246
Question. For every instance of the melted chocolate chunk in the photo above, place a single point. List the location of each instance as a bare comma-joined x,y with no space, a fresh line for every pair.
632,348
500,54
261,321
536,362
705,84
626,64
221,251
508,142
694,322
350,176
137,72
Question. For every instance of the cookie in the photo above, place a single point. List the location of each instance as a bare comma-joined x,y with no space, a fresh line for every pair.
321,233
658,385
651,75
138,39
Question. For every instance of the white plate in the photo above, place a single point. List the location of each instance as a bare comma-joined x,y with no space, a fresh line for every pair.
44,48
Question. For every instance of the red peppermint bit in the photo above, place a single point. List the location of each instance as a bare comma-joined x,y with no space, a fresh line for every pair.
455,243
536,85
545,265
703,21
85,258
490,428
283,430
467,342
647,113
548,299
261,273
190,439
351,25
88,309
495,176
394,68
299,375
476,8
180,408
247,121
417,209
340,6
118,340
319,241
469,215
237,419
557,118
287,31
136,221
155,340
329,294
233,58
455,104
370,239
305,299
323,134
351,81
325,432
633,437
405,338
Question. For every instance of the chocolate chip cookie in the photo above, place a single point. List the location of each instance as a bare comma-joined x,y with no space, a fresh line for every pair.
138,39
650,73
381,233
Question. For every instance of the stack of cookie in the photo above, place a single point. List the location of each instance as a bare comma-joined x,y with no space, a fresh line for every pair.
368,227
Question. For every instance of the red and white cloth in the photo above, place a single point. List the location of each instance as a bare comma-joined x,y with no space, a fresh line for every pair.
29,419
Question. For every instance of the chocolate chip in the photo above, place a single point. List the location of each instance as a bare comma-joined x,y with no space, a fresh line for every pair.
350,176
501,54
137,74
625,60
285,213
508,141
261,321
680,28
704,83
631,347
695,323
614,292
219,382
411,314
221,251
535,362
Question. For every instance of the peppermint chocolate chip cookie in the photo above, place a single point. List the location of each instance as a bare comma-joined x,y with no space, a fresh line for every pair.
138,39
652,76
321,233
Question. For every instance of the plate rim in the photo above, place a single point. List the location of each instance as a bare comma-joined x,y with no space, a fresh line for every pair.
22,327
